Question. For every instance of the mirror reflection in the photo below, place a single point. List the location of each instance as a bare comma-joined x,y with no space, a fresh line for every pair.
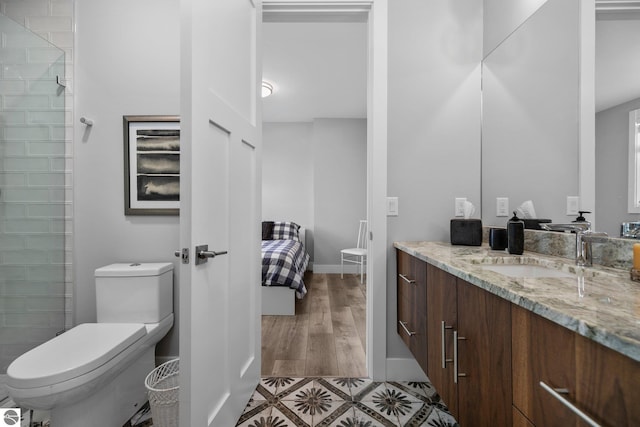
530,123
617,92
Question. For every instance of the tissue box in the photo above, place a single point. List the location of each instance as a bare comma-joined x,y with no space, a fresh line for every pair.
466,232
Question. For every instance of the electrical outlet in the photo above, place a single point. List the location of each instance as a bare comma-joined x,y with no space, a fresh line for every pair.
459,209
573,205
502,206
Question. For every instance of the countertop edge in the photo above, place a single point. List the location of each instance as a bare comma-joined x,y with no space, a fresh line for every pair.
582,327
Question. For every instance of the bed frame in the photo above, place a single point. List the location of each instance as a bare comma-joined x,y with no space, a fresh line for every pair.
280,300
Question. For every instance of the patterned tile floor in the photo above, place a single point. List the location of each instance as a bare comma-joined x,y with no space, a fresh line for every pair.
344,402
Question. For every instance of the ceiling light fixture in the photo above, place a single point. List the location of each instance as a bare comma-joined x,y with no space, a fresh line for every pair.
267,89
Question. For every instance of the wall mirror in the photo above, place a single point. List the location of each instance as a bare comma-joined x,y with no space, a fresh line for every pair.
633,199
617,96
530,115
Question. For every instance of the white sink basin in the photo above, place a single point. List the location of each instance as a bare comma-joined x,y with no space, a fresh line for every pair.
524,270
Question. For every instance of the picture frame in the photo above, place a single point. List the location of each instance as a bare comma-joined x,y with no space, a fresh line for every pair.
151,165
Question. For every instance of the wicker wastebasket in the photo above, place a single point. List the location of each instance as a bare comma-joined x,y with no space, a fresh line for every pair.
163,389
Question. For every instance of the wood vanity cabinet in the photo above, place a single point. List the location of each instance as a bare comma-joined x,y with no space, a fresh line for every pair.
474,379
607,384
542,351
487,357
412,305
600,382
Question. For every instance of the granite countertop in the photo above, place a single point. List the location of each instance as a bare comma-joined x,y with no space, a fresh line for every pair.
599,303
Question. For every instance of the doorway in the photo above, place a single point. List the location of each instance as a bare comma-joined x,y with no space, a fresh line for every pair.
314,159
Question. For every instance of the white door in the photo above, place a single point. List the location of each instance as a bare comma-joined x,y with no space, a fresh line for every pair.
220,207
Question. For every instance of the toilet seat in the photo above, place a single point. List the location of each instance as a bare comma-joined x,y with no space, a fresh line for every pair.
75,353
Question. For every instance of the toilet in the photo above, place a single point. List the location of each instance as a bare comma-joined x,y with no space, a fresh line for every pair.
93,374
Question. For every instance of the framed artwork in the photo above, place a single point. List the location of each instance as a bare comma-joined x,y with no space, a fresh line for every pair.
151,165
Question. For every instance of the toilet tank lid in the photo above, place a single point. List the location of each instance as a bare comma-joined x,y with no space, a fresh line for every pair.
134,269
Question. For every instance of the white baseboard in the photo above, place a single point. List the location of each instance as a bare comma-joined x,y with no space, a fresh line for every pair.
335,269
404,370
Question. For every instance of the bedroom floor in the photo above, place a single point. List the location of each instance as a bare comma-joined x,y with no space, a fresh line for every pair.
327,335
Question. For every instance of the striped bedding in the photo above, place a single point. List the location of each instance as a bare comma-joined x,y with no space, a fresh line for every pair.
283,264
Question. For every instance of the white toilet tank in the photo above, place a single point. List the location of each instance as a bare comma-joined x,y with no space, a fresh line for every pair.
134,293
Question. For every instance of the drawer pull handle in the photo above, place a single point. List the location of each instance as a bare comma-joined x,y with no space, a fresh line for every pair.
406,279
557,393
456,374
444,350
404,326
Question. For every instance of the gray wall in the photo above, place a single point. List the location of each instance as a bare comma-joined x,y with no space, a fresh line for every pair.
501,18
435,49
612,157
530,94
127,64
287,173
340,183
315,174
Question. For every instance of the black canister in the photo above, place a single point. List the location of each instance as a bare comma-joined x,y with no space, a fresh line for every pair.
515,235
498,239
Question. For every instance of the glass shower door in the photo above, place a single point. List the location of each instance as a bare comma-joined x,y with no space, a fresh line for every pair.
32,192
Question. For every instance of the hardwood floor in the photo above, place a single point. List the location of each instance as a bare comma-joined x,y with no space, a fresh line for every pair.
327,335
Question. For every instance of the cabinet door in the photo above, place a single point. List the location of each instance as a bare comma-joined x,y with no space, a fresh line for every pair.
483,358
608,384
442,297
542,351
404,289
520,420
412,302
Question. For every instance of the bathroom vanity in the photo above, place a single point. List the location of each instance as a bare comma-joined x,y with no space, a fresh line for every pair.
522,340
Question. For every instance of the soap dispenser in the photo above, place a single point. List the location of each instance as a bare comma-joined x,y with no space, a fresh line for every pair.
515,235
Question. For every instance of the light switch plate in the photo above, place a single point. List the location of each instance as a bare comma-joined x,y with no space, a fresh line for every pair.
392,206
502,206
573,205
459,206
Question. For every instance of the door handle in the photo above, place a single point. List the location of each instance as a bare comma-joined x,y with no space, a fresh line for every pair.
443,327
203,254
406,279
404,326
456,374
558,392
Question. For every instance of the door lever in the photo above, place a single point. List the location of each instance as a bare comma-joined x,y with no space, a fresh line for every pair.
203,254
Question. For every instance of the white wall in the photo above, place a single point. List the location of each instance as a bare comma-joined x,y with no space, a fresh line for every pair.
340,183
315,174
501,18
127,57
435,49
612,154
287,173
530,116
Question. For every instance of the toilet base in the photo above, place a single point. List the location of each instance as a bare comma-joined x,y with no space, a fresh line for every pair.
111,405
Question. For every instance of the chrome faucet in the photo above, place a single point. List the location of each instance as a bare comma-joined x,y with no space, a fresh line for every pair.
584,238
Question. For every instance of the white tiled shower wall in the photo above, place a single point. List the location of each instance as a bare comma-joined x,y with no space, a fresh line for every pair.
53,20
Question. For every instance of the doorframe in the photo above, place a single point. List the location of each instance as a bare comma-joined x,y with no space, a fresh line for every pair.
375,13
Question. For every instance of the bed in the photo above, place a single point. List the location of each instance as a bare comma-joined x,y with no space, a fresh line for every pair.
284,261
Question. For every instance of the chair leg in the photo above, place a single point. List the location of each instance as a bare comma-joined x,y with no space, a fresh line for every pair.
361,269
342,266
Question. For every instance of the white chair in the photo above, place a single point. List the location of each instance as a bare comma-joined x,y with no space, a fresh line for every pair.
357,255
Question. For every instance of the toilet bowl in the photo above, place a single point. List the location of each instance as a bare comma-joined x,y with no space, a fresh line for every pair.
93,374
